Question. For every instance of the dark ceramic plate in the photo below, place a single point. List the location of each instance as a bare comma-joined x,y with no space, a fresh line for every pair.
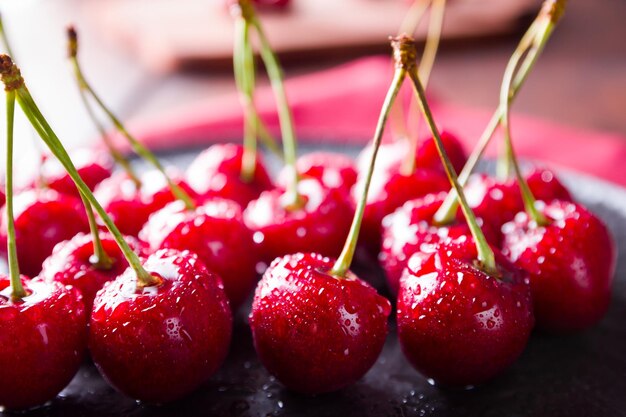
576,375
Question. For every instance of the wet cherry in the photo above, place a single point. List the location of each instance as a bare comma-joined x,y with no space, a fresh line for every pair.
457,324
215,232
333,170
216,172
72,263
158,343
322,224
571,263
43,337
43,218
411,226
130,207
314,331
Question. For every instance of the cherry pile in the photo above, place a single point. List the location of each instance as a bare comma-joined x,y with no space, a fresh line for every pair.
144,274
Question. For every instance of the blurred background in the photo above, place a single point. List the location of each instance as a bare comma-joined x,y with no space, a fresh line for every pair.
148,57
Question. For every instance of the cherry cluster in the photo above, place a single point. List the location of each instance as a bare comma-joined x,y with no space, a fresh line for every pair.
144,273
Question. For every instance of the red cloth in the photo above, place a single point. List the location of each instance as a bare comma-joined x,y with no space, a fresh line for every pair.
342,105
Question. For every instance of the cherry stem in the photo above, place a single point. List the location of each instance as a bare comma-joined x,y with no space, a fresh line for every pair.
347,254
551,10
5,39
137,146
292,200
102,260
433,39
14,82
407,53
17,289
243,66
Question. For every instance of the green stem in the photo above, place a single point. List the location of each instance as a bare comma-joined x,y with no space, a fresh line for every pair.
102,260
552,11
5,39
15,83
137,146
243,65
347,254
292,198
17,289
72,48
485,253
433,39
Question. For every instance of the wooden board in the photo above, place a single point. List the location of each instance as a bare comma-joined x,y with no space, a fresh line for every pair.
168,34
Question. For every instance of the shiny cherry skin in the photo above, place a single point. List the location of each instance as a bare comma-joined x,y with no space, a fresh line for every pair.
315,332
498,202
71,263
411,226
43,218
333,170
456,324
216,173
387,193
571,263
322,224
130,207
3,197
43,339
392,154
215,232
93,167
159,343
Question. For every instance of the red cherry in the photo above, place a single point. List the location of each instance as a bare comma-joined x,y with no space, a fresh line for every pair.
71,263
322,224
498,202
130,208
272,3
43,218
457,324
43,338
411,226
93,167
387,193
214,231
333,170
3,197
216,172
392,154
316,332
159,343
571,263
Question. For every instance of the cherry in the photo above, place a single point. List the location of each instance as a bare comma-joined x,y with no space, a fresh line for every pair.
216,172
498,201
571,262
457,324
158,343
320,225
93,167
43,337
314,331
333,170
411,226
72,263
43,218
392,154
130,207
263,4
388,192
214,231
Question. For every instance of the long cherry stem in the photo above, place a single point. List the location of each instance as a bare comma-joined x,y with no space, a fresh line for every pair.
433,39
347,254
72,53
552,10
5,39
485,254
292,198
14,82
17,289
137,146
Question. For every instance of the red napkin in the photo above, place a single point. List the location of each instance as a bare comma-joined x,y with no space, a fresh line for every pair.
341,105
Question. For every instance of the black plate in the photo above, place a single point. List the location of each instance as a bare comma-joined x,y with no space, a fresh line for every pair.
577,375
